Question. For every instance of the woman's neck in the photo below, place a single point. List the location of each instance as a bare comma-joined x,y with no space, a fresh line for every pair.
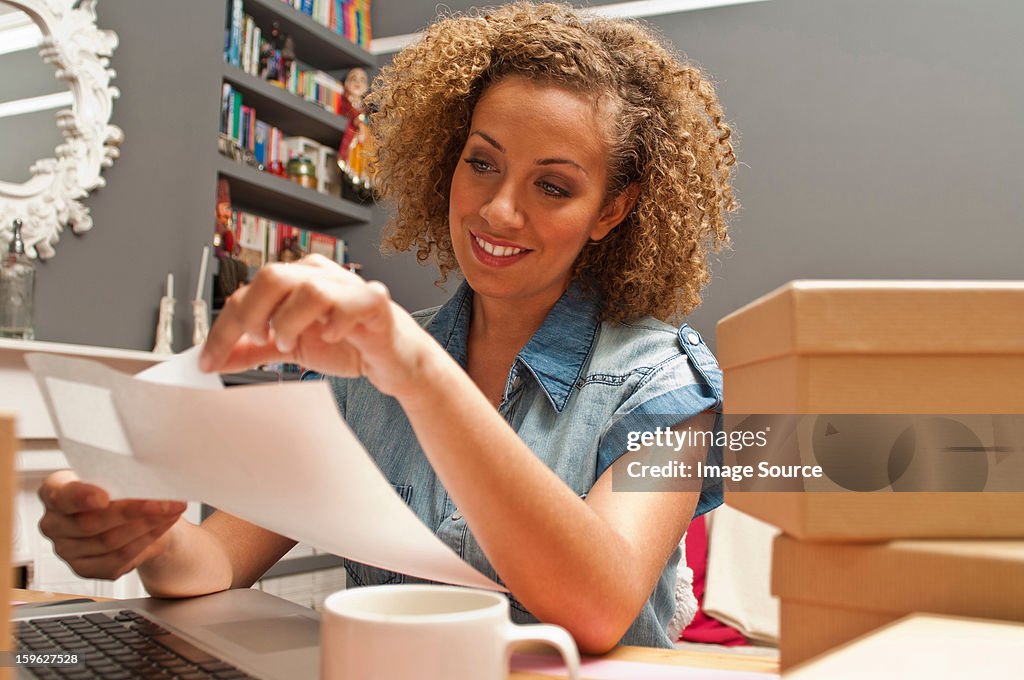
498,331
505,322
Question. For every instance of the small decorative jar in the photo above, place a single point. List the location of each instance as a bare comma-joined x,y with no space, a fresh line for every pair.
301,170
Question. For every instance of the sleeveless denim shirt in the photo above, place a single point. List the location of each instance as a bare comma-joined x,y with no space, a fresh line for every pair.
568,388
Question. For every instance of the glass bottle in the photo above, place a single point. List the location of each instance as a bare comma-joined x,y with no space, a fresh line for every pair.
17,283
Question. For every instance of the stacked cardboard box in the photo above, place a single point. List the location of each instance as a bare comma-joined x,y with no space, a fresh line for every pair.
8,446
920,646
844,565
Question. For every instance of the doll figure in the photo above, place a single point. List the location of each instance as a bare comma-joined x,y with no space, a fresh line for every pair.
232,273
356,144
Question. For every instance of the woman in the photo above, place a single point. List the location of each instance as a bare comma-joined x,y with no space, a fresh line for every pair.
577,175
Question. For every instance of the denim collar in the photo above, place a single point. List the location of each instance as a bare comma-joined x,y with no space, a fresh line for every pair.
555,355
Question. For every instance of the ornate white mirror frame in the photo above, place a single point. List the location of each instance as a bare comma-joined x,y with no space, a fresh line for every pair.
51,199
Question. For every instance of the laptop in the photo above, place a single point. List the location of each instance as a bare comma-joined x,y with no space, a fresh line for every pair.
232,634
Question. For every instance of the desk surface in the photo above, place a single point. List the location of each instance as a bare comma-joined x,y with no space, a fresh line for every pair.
666,657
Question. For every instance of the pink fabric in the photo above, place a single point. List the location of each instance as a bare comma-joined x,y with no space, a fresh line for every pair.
703,628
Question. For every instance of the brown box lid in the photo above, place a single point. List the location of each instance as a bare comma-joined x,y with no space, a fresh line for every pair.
888,317
979,578
924,646
880,516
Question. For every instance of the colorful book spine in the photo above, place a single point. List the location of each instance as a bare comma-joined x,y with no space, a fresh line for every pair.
236,31
225,108
236,120
260,142
262,240
243,136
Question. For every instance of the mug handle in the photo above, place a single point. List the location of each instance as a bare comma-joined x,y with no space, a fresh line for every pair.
556,636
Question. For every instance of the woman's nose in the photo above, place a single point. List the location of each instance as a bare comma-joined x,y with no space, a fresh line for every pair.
503,209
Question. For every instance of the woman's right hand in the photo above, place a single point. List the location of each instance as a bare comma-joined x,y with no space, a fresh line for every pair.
98,537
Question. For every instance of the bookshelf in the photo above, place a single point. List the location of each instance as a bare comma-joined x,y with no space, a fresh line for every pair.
315,45
277,198
268,195
272,196
286,110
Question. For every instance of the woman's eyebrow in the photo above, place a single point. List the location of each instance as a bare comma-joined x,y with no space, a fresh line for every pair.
490,140
562,161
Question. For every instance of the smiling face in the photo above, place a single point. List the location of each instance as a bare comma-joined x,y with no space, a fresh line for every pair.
529,190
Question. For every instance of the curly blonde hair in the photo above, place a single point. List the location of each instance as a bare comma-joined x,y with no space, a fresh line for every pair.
669,138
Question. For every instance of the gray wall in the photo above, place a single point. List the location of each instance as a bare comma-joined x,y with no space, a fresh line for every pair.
103,287
397,17
878,138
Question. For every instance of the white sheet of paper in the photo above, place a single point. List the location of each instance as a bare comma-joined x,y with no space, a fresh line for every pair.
182,370
277,455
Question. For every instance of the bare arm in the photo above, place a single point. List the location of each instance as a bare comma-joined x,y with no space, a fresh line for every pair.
587,566
103,538
223,552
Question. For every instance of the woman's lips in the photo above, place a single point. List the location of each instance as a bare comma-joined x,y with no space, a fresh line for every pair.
496,254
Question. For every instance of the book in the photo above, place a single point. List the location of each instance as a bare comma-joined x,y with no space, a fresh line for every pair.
230,9
243,138
254,56
322,244
261,142
225,108
252,241
246,43
236,31
236,120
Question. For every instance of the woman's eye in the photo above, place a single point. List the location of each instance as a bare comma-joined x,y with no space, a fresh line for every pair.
478,165
553,190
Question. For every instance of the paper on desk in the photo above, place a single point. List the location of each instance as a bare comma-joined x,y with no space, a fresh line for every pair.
277,455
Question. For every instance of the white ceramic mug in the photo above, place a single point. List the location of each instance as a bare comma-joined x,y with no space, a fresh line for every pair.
426,632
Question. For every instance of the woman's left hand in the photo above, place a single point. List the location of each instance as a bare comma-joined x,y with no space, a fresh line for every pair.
317,314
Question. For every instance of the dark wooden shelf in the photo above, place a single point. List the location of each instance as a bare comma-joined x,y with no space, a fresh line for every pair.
303,565
286,201
258,377
290,112
315,45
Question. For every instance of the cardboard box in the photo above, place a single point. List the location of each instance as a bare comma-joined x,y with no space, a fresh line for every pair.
881,516
921,646
880,347
833,592
877,347
8,445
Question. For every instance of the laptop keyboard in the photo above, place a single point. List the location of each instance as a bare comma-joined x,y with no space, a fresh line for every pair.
117,646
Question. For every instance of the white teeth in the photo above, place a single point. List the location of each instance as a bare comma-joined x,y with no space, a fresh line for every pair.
497,251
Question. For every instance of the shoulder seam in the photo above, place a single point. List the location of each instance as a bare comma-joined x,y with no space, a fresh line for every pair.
422,313
657,368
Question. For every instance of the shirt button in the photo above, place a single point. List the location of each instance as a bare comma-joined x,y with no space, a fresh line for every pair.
456,516
693,338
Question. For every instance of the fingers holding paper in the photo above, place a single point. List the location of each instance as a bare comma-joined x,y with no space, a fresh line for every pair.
97,537
320,315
